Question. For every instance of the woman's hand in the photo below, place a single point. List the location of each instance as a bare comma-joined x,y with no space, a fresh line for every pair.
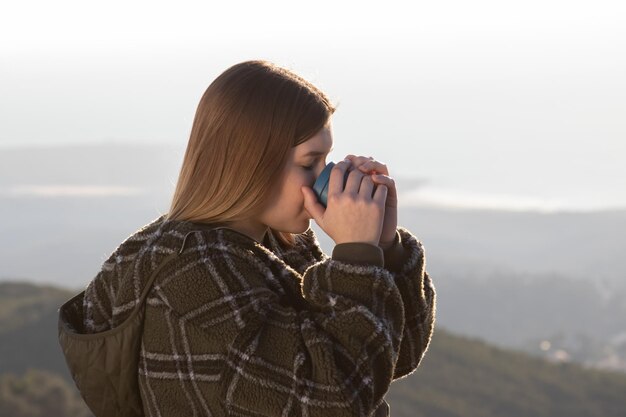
354,213
380,175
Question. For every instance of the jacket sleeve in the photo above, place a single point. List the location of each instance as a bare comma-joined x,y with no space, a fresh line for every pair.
406,261
330,350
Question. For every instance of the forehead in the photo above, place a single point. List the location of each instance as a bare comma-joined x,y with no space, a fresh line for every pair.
322,141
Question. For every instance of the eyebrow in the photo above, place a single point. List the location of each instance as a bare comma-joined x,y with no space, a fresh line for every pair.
315,153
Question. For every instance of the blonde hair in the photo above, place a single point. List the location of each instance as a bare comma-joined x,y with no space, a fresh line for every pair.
247,121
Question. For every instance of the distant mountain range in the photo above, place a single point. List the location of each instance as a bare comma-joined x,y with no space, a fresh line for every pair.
66,208
459,376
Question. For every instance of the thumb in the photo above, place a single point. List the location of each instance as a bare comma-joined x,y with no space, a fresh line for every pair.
315,209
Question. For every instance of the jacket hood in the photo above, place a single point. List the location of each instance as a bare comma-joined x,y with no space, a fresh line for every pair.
115,289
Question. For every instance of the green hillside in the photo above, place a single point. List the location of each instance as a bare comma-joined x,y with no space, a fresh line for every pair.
28,328
458,376
467,377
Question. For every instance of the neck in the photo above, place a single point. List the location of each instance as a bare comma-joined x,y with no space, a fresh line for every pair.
251,229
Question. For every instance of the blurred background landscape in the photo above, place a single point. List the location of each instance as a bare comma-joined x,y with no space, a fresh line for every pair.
503,126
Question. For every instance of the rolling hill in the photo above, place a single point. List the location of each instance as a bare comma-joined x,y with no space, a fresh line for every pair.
459,376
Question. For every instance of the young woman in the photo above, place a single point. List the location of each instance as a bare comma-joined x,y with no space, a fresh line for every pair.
246,315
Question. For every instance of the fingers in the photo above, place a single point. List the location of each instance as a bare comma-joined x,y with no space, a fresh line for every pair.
380,195
373,165
391,187
367,187
361,185
368,164
357,181
337,174
354,157
354,182
315,209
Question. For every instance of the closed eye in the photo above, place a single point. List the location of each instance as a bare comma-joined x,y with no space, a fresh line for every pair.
312,167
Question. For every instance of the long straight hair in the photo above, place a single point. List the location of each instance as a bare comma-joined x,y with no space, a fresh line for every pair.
247,121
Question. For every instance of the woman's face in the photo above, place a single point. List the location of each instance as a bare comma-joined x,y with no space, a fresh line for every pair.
285,211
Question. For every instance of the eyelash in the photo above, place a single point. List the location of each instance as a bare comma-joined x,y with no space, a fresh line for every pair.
310,168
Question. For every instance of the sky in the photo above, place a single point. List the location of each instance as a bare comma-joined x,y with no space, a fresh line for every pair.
506,105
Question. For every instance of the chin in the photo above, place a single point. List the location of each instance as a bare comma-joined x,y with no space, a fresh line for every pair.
304,225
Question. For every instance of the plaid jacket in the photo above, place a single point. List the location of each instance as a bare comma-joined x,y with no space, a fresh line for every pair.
239,328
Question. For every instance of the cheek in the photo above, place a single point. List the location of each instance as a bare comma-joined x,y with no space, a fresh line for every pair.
292,191
306,178
300,177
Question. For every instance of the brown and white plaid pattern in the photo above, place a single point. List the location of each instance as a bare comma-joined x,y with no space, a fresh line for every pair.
238,328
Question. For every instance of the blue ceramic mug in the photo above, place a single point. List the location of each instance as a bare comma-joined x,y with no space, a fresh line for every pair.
321,183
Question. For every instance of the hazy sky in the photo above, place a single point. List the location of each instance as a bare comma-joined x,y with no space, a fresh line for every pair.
494,104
